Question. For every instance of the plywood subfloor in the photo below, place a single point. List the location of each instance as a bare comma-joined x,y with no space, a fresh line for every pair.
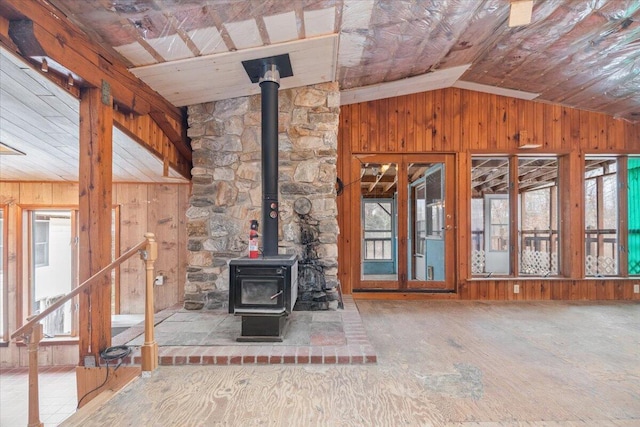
440,363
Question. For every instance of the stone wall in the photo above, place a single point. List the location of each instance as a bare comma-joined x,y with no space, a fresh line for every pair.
225,137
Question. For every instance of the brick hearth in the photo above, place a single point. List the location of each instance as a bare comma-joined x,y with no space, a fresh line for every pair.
345,343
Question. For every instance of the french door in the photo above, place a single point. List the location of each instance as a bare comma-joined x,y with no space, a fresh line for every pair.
405,227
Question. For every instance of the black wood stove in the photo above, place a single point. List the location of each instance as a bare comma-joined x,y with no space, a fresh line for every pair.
264,290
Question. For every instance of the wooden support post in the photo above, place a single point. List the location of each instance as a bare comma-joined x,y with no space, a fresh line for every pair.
571,187
149,350
33,340
95,204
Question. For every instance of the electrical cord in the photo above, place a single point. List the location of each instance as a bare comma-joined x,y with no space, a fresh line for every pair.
118,352
341,185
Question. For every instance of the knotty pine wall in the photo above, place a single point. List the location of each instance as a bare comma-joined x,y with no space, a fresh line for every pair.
465,123
159,208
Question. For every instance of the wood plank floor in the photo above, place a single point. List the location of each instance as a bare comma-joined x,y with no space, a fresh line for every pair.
440,363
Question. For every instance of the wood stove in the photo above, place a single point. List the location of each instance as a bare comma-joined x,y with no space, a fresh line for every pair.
264,290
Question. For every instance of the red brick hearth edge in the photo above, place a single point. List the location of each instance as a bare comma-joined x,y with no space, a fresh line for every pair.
358,349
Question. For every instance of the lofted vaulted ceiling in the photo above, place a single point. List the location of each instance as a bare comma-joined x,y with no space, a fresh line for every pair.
580,53
39,121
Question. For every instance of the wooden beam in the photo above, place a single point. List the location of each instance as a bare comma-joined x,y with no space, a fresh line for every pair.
5,40
168,126
95,187
571,188
55,37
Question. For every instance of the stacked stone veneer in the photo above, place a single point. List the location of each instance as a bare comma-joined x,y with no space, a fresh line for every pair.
227,194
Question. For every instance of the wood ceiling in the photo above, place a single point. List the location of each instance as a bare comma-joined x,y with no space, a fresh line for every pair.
583,54
41,120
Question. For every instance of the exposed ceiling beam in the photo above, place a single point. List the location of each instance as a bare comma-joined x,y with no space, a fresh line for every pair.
62,42
438,79
59,79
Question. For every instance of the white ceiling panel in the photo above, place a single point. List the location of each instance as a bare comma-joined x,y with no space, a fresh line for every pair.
319,22
171,47
282,27
208,40
431,81
210,78
136,54
245,34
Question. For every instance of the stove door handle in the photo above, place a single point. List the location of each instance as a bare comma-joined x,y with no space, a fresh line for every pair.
275,295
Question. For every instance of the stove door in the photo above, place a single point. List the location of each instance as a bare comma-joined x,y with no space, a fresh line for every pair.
260,292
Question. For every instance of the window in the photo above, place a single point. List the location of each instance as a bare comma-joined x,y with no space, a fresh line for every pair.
419,197
534,236
601,216
633,212
41,242
53,266
490,215
538,228
377,229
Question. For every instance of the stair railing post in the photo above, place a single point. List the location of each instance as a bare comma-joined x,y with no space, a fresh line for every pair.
149,350
33,340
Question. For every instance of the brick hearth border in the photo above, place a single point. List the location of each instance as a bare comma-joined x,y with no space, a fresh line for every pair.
358,349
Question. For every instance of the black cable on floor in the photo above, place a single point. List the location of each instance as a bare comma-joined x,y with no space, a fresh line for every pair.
118,352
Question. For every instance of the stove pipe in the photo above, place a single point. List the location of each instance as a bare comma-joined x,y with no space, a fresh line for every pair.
269,84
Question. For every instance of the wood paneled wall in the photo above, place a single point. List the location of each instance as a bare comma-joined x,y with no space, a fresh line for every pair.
458,120
549,289
159,208
464,123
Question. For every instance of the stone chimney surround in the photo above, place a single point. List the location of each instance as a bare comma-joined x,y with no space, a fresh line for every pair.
226,192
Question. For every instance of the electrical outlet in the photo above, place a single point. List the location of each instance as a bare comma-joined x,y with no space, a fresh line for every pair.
90,361
636,289
516,289
159,280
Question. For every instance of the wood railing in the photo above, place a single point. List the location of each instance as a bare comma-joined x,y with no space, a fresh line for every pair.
31,332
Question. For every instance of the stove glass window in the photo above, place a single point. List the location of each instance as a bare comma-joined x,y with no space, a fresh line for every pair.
260,292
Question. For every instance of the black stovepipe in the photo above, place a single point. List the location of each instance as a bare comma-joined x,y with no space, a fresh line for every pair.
269,85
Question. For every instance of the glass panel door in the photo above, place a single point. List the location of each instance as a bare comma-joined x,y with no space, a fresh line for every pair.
406,233
378,192
427,225
430,231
